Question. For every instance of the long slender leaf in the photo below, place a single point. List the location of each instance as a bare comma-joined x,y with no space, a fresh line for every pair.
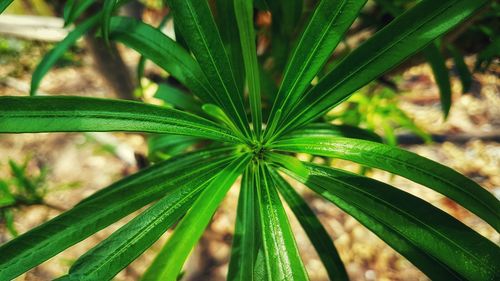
245,248
164,52
79,114
325,29
244,18
407,164
463,71
88,217
436,60
285,18
428,228
177,163
428,264
170,260
230,35
440,71
142,61
400,39
51,58
74,9
195,21
282,257
330,130
107,11
314,229
121,248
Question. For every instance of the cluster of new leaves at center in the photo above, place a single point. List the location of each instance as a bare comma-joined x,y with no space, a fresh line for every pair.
221,70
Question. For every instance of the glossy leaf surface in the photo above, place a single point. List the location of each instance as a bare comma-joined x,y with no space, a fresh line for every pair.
314,229
168,264
282,258
400,39
88,217
79,114
406,164
195,21
428,228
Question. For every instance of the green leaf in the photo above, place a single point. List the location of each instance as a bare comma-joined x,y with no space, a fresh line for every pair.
436,60
51,58
282,258
88,217
314,229
170,144
107,11
330,130
429,265
178,98
195,21
326,27
180,162
226,18
286,14
109,257
244,18
79,114
168,264
436,233
400,39
406,164
246,242
440,71
73,9
4,4
142,61
164,52
463,71
285,18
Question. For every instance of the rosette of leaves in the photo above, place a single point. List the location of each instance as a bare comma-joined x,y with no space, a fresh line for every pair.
222,71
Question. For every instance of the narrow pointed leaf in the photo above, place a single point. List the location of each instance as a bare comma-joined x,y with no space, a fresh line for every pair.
74,9
88,217
440,72
230,35
244,18
317,234
406,164
196,23
79,114
436,60
163,51
168,264
330,130
425,262
463,71
142,61
282,257
325,29
50,59
400,39
430,229
109,257
244,248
